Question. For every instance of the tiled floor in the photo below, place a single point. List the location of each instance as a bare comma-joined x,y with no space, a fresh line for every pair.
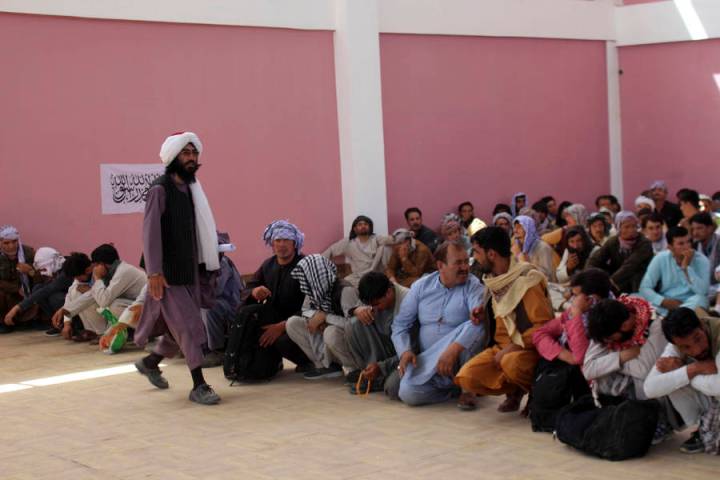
121,427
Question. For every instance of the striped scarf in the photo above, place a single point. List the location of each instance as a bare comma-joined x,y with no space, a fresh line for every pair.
316,276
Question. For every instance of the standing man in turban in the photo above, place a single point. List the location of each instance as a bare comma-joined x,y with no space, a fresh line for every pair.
16,275
269,299
363,250
181,254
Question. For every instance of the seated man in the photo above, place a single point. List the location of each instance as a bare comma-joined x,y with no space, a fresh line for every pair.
115,286
653,227
644,203
369,335
552,206
598,228
707,240
451,230
440,305
677,277
410,259
413,217
565,337
528,247
687,372
669,211
273,296
562,343
363,250
78,267
17,276
227,300
518,203
321,330
624,256
48,295
504,221
541,215
472,224
516,303
625,343
608,201
578,251
689,201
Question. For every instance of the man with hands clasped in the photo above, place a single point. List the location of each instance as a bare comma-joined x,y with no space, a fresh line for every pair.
677,277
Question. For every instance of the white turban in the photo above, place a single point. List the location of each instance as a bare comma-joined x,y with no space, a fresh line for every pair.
643,200
48,261
173,144
204,219
8,232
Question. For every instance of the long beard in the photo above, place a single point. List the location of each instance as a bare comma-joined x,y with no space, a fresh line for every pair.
184,174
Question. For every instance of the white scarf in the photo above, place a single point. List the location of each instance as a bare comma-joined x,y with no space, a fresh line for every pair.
204,219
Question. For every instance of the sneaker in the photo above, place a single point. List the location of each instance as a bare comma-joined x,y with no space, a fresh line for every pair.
663,431
154,375
694,444
307,367
204,395
52,332
333,371
6,328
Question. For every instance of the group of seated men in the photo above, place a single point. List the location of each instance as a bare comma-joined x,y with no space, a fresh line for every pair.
627,299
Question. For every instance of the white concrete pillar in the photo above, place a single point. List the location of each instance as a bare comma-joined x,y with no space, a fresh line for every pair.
614,123
360,122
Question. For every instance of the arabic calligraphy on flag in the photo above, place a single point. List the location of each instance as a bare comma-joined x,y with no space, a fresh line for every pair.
123,187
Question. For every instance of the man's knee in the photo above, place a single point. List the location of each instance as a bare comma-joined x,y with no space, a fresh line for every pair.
295,326
519,367
414,395
334,337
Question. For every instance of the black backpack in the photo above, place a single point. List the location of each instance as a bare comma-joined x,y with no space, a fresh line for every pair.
244,358
556,385
615,432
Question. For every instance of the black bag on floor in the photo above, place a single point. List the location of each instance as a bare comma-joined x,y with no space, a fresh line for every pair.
556,384
244,358
615,432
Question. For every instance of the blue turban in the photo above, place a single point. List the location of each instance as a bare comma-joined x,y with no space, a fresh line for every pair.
283,230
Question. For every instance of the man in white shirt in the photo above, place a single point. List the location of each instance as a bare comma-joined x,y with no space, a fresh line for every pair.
687,371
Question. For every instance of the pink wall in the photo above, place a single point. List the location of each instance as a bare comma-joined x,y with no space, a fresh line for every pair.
671,115
635,2
77,93
481,118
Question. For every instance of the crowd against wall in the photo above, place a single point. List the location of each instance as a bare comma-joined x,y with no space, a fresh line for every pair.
577,311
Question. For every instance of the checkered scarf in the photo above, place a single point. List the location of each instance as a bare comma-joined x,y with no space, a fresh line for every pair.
710,427
316,276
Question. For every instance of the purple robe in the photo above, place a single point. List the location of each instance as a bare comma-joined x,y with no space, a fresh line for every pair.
177,316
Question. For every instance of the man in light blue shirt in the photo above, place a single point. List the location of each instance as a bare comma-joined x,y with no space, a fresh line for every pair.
677,277
442,304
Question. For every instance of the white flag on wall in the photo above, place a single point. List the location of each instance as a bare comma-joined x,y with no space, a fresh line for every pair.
123,187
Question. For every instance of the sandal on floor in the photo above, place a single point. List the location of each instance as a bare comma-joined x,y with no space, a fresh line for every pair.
84,336
511,403
467,402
